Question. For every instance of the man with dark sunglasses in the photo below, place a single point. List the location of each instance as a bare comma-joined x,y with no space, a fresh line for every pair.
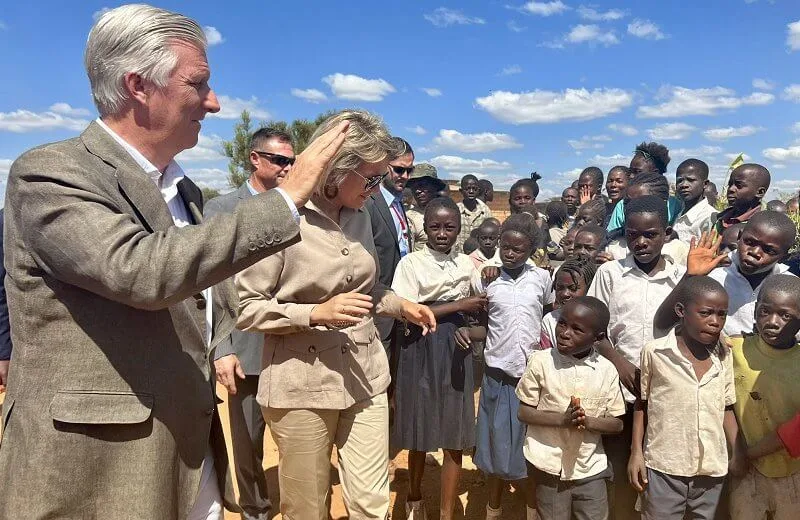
237,360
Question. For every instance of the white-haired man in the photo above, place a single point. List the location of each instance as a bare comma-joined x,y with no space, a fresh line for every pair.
110,410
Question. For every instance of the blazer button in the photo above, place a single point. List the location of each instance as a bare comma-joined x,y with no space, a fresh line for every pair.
348,278
201,303
312,349
210,411
276,237
344,350
262,244
345,251
252,247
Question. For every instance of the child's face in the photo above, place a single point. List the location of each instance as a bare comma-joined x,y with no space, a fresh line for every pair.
645,234
689,185
743,189
704,317
760,247
521,199
442,228
568,286
575,331
568,242
570,197
584,216
616,185
515,249
470,189
778,318
488,235
587,244
587,181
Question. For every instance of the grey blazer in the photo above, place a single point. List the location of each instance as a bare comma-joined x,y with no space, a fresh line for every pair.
247,346
110,405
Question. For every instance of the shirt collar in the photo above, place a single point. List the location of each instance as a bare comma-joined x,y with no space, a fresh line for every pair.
697,211
669,345
388,196
166,182
728,221
569,361
250,188
441,258
670,270
733,269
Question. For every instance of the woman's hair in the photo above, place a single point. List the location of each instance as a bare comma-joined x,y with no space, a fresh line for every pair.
624,169
367,140
658,154
647,204
134,38
556,212
656,184
596,209
579,267
525,224
528,183
442,203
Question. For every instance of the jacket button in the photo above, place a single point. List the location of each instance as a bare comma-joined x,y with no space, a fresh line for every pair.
344,350
349,278
201,303
312,349
210,412
276,237
345,251
262,244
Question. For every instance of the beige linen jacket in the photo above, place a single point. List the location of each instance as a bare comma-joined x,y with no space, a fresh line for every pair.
110,404
313,367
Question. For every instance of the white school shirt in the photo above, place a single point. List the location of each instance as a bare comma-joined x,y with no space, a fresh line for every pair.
684,434
515,318
549,323
549,382
633,298
430,276
698,220
741,296
676,250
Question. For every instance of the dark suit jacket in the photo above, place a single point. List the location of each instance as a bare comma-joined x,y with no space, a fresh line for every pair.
384,233
110,406
5,328
247,346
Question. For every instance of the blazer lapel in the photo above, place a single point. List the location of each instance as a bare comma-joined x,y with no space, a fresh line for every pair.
192,198
386,213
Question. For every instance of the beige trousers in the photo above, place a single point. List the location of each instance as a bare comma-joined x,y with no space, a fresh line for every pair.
305,438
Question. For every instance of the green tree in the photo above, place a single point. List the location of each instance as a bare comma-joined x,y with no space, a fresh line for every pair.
238,148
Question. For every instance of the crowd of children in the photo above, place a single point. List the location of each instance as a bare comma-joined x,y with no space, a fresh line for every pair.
639,348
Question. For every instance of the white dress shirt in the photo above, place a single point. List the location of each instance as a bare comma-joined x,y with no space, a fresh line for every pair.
698,220
395,203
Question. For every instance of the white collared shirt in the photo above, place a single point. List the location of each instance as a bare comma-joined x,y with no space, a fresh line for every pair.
741,296
549,382
515,318
676,250
698,220
633,298
684,416
549,324
430,276
401,226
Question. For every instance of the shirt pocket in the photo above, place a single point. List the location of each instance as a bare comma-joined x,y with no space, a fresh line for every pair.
366,352
308,366
594,406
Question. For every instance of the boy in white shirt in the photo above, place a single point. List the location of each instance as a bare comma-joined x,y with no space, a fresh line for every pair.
697,216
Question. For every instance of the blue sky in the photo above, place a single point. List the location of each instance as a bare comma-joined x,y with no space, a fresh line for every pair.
497,88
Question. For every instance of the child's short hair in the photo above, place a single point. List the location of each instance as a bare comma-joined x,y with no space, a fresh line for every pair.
594,229
760,174
647,204
596,208
598,310
777,205
556,212
440,203
468,177
775,220
580,267
525,224
658,154
528,183
595,173
491,221
696,164
470,245
781,284
656,184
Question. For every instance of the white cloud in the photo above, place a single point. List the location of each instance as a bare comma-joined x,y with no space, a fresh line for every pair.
763,84
721,134
587,13
213,36
100,12
207,149
5,166
645,29
356,88
66,110
671,131
608,161
432,92
589,142
311,95
417,130
796,128
792,93
210,178
22,121
569,175
544,8
778,166
454,163
623,129
793,36
732,156
681,101
470,143
513,26
591,34
231,108
704,152
444,17
790,154
545,106
510,70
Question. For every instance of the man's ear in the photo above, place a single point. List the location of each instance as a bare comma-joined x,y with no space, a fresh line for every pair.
668,231
680,310
254,160
760,192
136,87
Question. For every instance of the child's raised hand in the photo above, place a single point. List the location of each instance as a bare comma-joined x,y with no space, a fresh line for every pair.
637,471
586,194
704,254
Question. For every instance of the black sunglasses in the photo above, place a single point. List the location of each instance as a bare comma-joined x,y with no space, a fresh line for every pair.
371,182
400,170
276,159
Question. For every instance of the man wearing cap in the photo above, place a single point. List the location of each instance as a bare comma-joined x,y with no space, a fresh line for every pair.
424,185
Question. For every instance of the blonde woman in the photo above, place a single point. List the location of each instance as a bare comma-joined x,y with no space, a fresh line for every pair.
325,371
